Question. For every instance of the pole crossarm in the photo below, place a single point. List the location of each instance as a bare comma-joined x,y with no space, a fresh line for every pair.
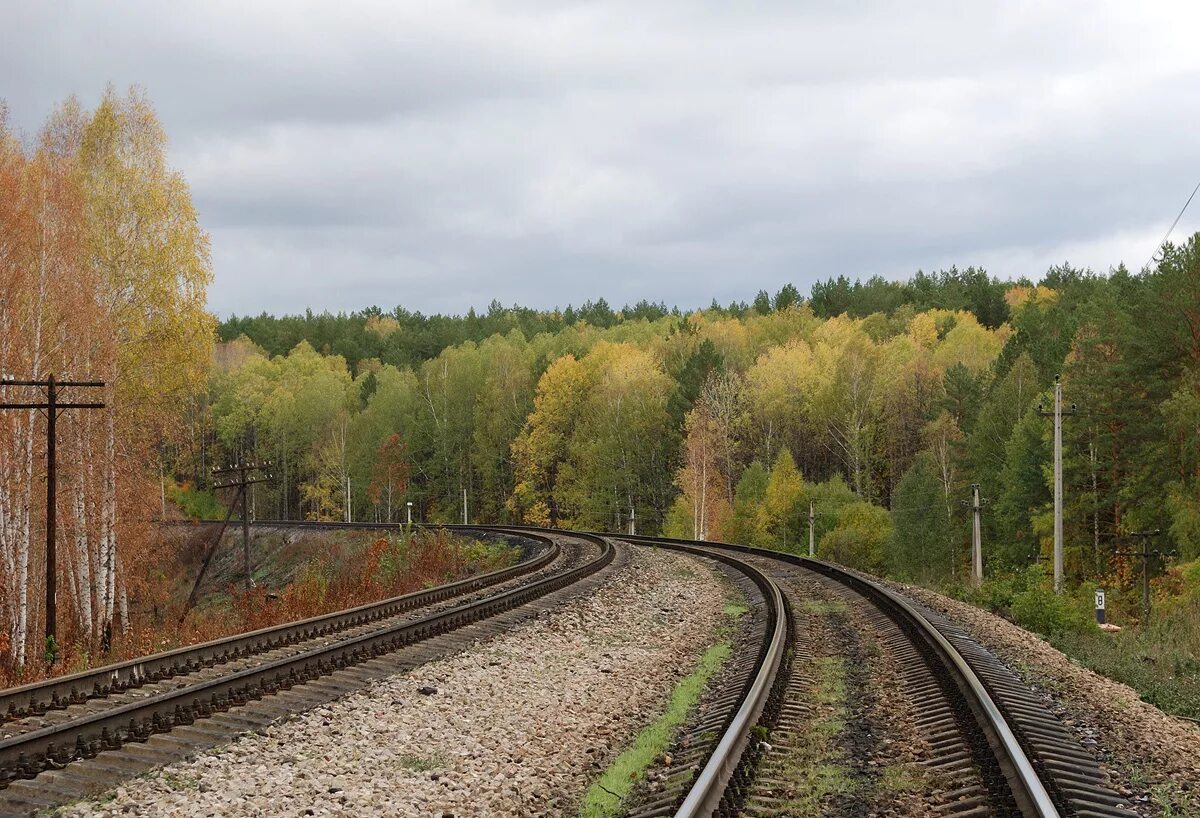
56,405
13,382
267,479
242,482
240,466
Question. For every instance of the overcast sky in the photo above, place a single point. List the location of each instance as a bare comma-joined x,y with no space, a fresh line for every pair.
440,155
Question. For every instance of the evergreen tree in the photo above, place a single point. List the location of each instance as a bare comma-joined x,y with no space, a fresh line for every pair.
922,537
1022,492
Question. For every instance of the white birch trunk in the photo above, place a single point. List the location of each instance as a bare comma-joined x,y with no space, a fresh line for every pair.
83,558
106,580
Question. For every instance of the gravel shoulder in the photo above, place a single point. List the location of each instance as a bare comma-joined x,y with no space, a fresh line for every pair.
1152,757
516,726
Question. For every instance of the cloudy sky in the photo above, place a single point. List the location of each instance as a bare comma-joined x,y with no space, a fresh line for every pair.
440,155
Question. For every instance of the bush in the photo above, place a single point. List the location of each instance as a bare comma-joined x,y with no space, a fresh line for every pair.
858,540
1000,589
1052,615
193,502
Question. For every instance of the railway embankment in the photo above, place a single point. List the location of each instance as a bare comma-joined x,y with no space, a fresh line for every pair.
1154,757
518,725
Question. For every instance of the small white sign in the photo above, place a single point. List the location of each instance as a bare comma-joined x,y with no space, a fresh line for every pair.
1100,600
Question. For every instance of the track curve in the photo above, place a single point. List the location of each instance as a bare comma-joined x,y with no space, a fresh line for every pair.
89,725
1027,763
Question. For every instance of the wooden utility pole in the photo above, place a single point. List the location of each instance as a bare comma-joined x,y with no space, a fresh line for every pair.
1146,554
52,406
1057,414
243,479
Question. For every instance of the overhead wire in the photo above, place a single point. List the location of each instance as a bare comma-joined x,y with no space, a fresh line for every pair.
1171,229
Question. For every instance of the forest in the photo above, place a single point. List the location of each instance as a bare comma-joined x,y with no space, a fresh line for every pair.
880,402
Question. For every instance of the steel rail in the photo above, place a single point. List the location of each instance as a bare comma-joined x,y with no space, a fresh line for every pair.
1031,794
1028,789
24,755
62,691
709,788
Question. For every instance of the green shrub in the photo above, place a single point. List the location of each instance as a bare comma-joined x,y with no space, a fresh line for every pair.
859,538
1039,609
193,502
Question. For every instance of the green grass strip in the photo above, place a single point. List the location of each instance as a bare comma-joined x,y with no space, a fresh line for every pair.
607,795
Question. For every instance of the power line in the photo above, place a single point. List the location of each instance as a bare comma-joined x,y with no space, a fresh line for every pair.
1171,229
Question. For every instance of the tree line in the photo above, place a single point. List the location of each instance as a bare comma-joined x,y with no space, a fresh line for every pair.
879,402
403,337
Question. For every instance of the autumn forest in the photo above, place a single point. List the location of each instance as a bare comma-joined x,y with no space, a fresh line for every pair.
873,403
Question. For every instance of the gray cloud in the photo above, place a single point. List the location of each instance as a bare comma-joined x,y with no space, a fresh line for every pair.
441,156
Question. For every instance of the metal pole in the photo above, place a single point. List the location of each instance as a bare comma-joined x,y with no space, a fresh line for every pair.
464,505
242,469
632,522
812,528
1145,581
51,646
1058,487
410,512
976,537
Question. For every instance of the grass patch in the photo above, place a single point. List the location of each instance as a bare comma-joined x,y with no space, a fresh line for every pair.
420,764
816,765
1175,803
178,782
823,607
903,778
683,570
1159,658
735,610
607,796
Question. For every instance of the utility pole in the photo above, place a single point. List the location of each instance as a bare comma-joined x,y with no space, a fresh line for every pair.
409,507
244,477
976,536
52,406
632,522
1057,414
1146,554
464,505
812,528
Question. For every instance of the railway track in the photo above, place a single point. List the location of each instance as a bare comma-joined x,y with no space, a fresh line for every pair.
989,747
48,725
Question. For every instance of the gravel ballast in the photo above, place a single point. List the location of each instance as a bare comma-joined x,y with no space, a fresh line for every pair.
519,725
1153,758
